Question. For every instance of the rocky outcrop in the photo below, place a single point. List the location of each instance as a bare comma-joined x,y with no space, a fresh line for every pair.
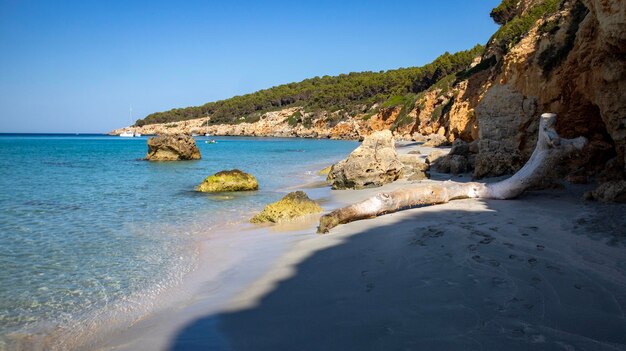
570,63
415,168
233,180
172,148
374,163
500,114
293,205
612,191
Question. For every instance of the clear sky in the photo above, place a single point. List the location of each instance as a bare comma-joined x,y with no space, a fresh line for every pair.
77,66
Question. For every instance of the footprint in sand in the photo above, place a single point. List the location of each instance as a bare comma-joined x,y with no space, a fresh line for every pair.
478,259
499,282
554,268
509,245
369,287
487,240
472,247
433,233
540,247
491,262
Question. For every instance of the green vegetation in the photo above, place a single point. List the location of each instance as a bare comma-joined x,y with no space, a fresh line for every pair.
233,180
295,118
346,92
504,12
436,114
553,55
293,205
515,28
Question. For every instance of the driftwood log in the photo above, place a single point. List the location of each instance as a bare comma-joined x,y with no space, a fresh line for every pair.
549,151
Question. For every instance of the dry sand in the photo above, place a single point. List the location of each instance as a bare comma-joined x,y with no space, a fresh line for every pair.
546,271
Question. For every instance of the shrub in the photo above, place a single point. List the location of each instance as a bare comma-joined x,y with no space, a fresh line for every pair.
554,54
514,29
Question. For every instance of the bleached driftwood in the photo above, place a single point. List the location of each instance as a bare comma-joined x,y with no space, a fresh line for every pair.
550,149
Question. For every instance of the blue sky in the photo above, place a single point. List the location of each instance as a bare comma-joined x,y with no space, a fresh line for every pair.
77,66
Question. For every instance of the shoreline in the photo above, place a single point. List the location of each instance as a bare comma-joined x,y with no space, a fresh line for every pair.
237,305
219,256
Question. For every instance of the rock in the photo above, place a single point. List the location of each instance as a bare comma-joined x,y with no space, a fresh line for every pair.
410,160
434,140
423,167
458,164
577,178
372,164
418,175
500,113
233,180
324,171
433,156
613,191
414,152
172,148
293,205
459,147
442,164
455,164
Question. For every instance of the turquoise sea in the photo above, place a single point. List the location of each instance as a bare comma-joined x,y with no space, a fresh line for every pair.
87,226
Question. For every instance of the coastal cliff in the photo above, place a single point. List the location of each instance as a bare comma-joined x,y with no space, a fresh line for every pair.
560,56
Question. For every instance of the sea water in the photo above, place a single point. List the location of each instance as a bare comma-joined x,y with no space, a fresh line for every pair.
86,225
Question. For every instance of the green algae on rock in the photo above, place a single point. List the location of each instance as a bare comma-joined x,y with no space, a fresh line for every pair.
293,205
233,180
325,171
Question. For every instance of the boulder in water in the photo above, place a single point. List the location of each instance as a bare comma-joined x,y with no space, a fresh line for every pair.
293,205
172,148
233,180
372,164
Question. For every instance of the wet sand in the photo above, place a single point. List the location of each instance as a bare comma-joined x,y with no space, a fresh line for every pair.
546,271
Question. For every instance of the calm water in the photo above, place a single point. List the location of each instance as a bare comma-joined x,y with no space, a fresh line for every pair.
86,224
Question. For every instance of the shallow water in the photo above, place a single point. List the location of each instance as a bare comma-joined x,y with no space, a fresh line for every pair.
86,224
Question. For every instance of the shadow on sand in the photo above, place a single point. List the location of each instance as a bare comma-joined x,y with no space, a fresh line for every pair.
517,275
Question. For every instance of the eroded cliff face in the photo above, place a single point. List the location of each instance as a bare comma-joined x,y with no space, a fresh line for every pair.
573,64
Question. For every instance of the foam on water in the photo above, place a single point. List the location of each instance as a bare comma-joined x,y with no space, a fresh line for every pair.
87,229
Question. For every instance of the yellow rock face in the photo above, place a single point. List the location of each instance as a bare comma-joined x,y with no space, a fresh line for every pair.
324,171
293,205
233,180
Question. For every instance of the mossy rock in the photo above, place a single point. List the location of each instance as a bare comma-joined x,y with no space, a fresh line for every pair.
293,205
325,171
233,180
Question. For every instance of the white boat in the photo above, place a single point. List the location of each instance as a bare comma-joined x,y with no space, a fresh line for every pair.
207,134
130,133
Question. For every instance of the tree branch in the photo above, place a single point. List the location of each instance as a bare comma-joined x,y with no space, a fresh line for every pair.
549,151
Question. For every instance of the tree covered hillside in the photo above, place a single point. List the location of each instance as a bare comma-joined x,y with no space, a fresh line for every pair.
352,93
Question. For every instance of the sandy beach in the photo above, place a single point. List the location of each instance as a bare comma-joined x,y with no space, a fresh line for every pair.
546,271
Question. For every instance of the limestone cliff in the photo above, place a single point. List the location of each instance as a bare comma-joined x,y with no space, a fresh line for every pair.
561,56
572,63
